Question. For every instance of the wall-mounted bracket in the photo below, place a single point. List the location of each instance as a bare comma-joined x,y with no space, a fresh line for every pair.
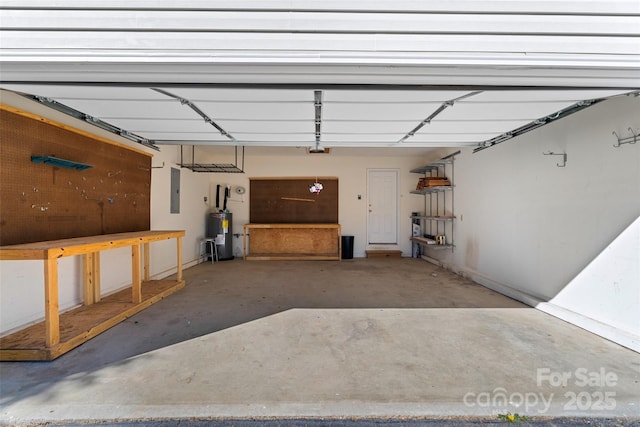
564,158
628,140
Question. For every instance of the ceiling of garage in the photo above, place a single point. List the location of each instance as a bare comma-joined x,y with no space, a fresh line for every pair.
333,73
286,117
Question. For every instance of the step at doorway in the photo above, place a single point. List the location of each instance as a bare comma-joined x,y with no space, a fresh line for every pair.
383,251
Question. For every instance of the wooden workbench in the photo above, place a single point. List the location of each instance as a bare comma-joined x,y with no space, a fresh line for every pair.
60,333
292,242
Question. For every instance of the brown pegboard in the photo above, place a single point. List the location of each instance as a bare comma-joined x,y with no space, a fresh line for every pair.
288,201
40,202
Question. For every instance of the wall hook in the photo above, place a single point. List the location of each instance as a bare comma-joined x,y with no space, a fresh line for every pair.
628,140
564,158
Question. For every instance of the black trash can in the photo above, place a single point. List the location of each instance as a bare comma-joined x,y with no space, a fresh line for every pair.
347,247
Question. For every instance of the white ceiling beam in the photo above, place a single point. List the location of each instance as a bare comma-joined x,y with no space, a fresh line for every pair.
408,77
253,46
307,143
319,22
502,6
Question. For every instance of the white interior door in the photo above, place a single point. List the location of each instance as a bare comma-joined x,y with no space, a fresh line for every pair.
383,206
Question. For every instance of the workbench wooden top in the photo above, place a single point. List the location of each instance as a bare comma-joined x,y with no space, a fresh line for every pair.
82,245
291,225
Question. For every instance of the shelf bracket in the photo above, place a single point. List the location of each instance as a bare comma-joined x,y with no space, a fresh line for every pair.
564,158
60,163
628,140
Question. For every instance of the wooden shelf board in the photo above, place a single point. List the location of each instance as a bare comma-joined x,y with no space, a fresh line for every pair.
428,190
83,323
428,243
298,226
423,240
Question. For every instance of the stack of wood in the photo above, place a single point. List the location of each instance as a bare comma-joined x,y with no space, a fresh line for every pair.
432,181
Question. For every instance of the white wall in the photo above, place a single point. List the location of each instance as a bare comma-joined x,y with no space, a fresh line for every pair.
22,292
608,289
194,187
350,166
527,228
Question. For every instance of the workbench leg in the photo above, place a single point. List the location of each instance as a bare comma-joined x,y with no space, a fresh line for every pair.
96,277
339,243
88,275
136,282
146,276
91,277
244,244
51,315
179,249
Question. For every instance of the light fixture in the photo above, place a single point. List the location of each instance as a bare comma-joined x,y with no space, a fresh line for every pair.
316,187
317,149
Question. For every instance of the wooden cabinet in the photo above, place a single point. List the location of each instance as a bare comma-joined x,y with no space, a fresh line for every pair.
292,241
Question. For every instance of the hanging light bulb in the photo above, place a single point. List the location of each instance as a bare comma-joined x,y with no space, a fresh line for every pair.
316,187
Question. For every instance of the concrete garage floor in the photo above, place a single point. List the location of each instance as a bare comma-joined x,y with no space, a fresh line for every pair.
372,338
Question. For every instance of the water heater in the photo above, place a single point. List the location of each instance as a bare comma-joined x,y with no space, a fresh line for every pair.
220,228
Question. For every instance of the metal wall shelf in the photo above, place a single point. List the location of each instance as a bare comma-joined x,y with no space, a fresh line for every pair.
438,218
434,218
430,243
430,190
434,166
